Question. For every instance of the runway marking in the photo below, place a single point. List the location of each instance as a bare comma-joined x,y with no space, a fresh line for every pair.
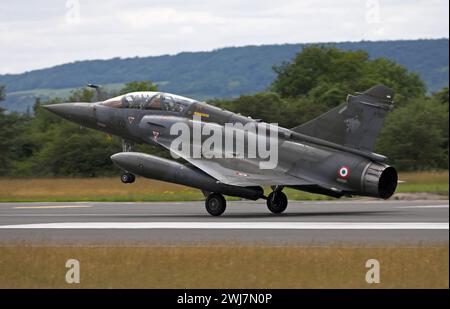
94,215
423,206
239,225
51,206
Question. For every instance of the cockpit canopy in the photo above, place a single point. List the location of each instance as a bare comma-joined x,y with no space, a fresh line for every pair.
150,101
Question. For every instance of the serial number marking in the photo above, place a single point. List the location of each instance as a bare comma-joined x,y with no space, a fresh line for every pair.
245,298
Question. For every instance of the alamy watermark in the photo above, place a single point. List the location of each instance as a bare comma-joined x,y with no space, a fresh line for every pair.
373,11
73,274
373,274
196,139
73,11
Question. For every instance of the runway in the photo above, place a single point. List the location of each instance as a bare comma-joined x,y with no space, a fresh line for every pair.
331,222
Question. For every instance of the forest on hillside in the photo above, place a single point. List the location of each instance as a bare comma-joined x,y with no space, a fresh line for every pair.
222,73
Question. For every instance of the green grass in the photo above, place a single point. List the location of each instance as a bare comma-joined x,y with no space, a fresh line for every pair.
146,190
224,266
431,182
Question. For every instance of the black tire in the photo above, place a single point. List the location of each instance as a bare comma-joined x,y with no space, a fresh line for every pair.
127,178
277,202
215,204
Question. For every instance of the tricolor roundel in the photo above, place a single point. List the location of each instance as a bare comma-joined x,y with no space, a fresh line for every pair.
343,172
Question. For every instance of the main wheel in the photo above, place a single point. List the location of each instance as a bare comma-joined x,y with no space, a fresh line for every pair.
127,178
277,202
215,204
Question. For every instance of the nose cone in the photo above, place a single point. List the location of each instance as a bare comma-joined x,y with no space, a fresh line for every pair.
81,113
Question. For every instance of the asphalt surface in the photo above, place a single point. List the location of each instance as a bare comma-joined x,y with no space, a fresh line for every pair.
334,222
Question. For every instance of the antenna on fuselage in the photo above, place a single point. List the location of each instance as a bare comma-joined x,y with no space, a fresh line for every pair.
98,91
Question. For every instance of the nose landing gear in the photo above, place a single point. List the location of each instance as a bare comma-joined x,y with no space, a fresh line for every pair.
127,178
127,146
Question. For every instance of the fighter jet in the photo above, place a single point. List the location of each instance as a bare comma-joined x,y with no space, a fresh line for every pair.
330,155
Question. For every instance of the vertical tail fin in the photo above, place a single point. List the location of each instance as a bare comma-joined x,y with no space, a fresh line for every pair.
354,124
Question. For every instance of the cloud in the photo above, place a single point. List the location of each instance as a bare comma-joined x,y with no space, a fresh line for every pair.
57,31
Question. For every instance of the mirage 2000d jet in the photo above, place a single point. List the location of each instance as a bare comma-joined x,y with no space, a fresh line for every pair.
224,153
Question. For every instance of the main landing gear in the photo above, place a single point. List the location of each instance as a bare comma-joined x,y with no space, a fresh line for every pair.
277,201
215,204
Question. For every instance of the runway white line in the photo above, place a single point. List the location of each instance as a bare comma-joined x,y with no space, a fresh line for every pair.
52,207
44,214
422,206
239,225
19,215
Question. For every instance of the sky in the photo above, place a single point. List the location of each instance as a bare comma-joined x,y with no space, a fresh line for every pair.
40,34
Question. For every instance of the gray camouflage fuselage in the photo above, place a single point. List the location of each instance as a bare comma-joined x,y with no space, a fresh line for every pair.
329,155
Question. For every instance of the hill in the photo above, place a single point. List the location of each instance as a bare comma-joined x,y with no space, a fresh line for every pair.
220,73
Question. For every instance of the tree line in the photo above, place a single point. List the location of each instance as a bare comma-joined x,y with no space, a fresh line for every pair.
415,135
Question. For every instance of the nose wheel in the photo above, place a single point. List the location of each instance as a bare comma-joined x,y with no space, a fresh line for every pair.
277,202
215,204
127,178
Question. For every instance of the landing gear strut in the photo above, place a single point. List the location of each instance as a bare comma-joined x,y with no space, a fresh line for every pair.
127,178
215,204
277,201
127,146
